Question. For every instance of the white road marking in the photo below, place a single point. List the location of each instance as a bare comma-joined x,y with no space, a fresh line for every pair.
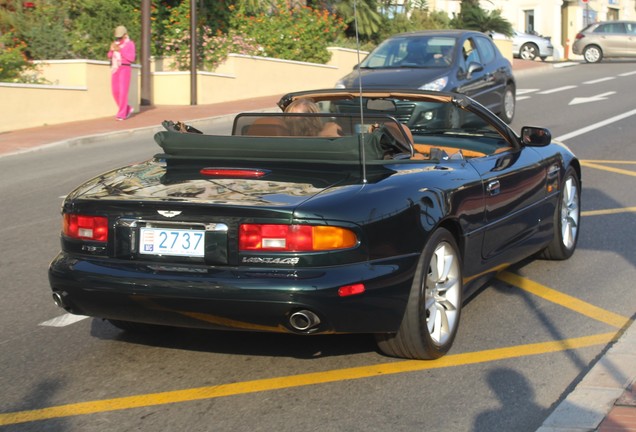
596,81
558,89
520,98
565,64
595,126
524,91
599,97
63,320
627,74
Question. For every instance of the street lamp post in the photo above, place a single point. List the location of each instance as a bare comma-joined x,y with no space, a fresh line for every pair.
193,52
146,90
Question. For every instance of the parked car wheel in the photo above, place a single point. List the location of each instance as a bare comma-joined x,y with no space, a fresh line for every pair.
529,51
432,313
593,54
566,219
508,105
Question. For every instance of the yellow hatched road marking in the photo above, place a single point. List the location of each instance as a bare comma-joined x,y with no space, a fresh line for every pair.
247,387
611,169
611,162
608,211
564,300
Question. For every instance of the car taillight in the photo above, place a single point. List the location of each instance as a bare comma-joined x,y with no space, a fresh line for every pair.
579,36
85,227
294,238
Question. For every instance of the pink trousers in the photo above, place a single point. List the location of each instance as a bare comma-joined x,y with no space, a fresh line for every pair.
120,83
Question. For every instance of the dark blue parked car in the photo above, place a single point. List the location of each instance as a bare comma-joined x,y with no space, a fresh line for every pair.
458,61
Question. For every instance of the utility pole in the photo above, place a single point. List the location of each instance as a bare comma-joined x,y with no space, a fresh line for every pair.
193,52
146,86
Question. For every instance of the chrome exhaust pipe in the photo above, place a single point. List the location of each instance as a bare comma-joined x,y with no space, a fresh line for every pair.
303,320
58,298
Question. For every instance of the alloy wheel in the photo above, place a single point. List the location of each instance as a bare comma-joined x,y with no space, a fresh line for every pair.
570,213
442,294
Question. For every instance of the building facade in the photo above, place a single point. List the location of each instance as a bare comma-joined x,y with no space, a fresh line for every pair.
561,20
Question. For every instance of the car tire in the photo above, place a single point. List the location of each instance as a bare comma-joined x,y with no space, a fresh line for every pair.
432,313
592,54
508,105
529,51
135,327
567,217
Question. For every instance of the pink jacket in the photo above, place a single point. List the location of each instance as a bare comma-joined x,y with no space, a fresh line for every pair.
126,53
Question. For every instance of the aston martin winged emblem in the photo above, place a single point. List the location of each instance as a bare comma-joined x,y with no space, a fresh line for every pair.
169,213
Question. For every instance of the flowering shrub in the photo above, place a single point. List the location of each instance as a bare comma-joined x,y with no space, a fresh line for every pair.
12,59
211,50
299,33
212,47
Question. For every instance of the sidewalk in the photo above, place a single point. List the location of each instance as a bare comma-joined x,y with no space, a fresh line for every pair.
604,401
22,140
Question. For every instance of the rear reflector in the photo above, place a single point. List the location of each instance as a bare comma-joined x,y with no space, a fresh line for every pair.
349,290
85,227
294,238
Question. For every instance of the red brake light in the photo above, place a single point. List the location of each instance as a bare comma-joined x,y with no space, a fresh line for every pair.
85,227
579,36
294,238
232,172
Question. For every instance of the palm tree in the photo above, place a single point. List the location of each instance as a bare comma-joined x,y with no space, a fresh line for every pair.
368,18
473,17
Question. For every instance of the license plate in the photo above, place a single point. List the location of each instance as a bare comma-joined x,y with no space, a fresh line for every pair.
178,242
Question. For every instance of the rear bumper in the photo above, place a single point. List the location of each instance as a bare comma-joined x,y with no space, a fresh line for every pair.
577,48
254,299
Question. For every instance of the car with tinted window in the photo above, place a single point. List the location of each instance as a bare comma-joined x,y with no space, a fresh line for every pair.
460,61
606,40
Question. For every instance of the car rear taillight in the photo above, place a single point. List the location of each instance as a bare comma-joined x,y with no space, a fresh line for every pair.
294,238
579,36
85,227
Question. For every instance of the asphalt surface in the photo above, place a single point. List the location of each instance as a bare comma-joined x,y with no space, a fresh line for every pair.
604,400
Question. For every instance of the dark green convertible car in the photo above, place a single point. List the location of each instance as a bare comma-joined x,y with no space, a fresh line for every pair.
378,212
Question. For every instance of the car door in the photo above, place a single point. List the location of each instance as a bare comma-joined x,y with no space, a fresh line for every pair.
612,38
480,84
514,183
629,39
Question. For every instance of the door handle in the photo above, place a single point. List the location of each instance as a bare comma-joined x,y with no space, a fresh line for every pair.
494,187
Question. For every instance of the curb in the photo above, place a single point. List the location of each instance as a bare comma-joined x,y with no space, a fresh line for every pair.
593,398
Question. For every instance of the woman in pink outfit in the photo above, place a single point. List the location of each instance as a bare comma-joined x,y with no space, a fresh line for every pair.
121,55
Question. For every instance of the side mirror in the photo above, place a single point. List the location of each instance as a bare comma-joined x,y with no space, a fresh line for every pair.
535,136
472,68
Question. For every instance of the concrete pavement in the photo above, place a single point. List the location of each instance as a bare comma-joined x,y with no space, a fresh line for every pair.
604,400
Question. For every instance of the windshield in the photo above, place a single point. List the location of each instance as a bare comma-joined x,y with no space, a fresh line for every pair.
412,52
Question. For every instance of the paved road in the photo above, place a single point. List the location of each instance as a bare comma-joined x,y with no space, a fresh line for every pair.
523,342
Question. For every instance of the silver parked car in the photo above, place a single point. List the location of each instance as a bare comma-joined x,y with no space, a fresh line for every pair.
606,39
529,46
